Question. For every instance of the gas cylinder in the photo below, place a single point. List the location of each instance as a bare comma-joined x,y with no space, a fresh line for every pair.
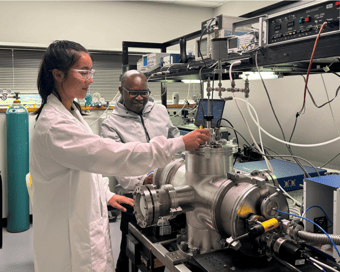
17,166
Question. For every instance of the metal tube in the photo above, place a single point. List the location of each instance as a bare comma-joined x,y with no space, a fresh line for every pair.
208,94
185,196
261,32
319,238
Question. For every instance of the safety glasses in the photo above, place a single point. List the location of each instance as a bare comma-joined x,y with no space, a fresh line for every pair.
144,93
86,74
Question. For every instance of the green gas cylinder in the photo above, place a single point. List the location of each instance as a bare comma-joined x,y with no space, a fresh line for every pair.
17,167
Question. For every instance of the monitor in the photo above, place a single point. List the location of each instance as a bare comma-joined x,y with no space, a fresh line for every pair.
216,109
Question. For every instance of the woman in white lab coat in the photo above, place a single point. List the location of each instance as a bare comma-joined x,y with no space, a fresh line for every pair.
71,229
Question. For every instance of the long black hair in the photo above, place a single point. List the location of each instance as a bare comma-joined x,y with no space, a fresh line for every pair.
60,55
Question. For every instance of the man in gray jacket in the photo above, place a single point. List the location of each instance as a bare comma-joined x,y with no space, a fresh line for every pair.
135,118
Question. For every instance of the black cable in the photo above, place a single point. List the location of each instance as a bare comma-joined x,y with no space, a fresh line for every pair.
235,160
199,44
265,151
335,73
199,50
330,160
270,101
284,137
218,124
286,264
336,94
239,134
274,152
296,118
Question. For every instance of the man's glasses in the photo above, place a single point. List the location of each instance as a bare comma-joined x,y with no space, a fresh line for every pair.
86,74
144,93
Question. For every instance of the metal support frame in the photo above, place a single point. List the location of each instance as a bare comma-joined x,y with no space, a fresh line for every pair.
161,46
193,35
276,55
171,260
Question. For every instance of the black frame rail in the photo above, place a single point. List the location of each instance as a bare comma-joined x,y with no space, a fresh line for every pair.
162,46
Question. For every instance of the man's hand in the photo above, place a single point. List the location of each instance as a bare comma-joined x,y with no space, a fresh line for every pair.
194,139
118,199
148,179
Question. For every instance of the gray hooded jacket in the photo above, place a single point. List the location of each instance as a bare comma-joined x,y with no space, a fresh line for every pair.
126,126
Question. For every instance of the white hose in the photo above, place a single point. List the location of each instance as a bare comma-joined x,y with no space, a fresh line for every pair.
322,264
267,161
245,121
284,142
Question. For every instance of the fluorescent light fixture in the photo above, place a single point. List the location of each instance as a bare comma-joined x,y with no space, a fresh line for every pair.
256,76
190,81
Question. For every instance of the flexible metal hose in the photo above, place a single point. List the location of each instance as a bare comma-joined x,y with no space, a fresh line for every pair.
319,238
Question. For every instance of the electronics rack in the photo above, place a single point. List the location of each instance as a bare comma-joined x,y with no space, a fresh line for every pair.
289,54
303,23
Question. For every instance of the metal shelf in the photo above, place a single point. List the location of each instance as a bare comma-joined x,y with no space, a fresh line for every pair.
291,58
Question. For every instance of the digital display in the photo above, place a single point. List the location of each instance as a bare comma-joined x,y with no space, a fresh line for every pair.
145,61
216,109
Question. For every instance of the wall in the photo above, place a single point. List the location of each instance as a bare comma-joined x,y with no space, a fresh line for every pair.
97,24
314,126
238,8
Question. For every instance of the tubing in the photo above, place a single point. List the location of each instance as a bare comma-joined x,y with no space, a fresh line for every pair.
322,264
319,238
284,142
336,248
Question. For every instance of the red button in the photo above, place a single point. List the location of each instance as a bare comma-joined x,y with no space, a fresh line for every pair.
307,19
337,3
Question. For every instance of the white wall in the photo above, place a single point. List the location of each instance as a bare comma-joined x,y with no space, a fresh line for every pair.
238,8
98,24
315,126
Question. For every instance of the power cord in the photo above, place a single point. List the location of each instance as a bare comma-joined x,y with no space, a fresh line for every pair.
277,120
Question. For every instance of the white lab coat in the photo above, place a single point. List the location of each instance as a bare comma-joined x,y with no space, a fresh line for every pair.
70,221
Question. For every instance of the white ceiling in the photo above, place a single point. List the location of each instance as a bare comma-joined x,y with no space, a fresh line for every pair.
197,3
